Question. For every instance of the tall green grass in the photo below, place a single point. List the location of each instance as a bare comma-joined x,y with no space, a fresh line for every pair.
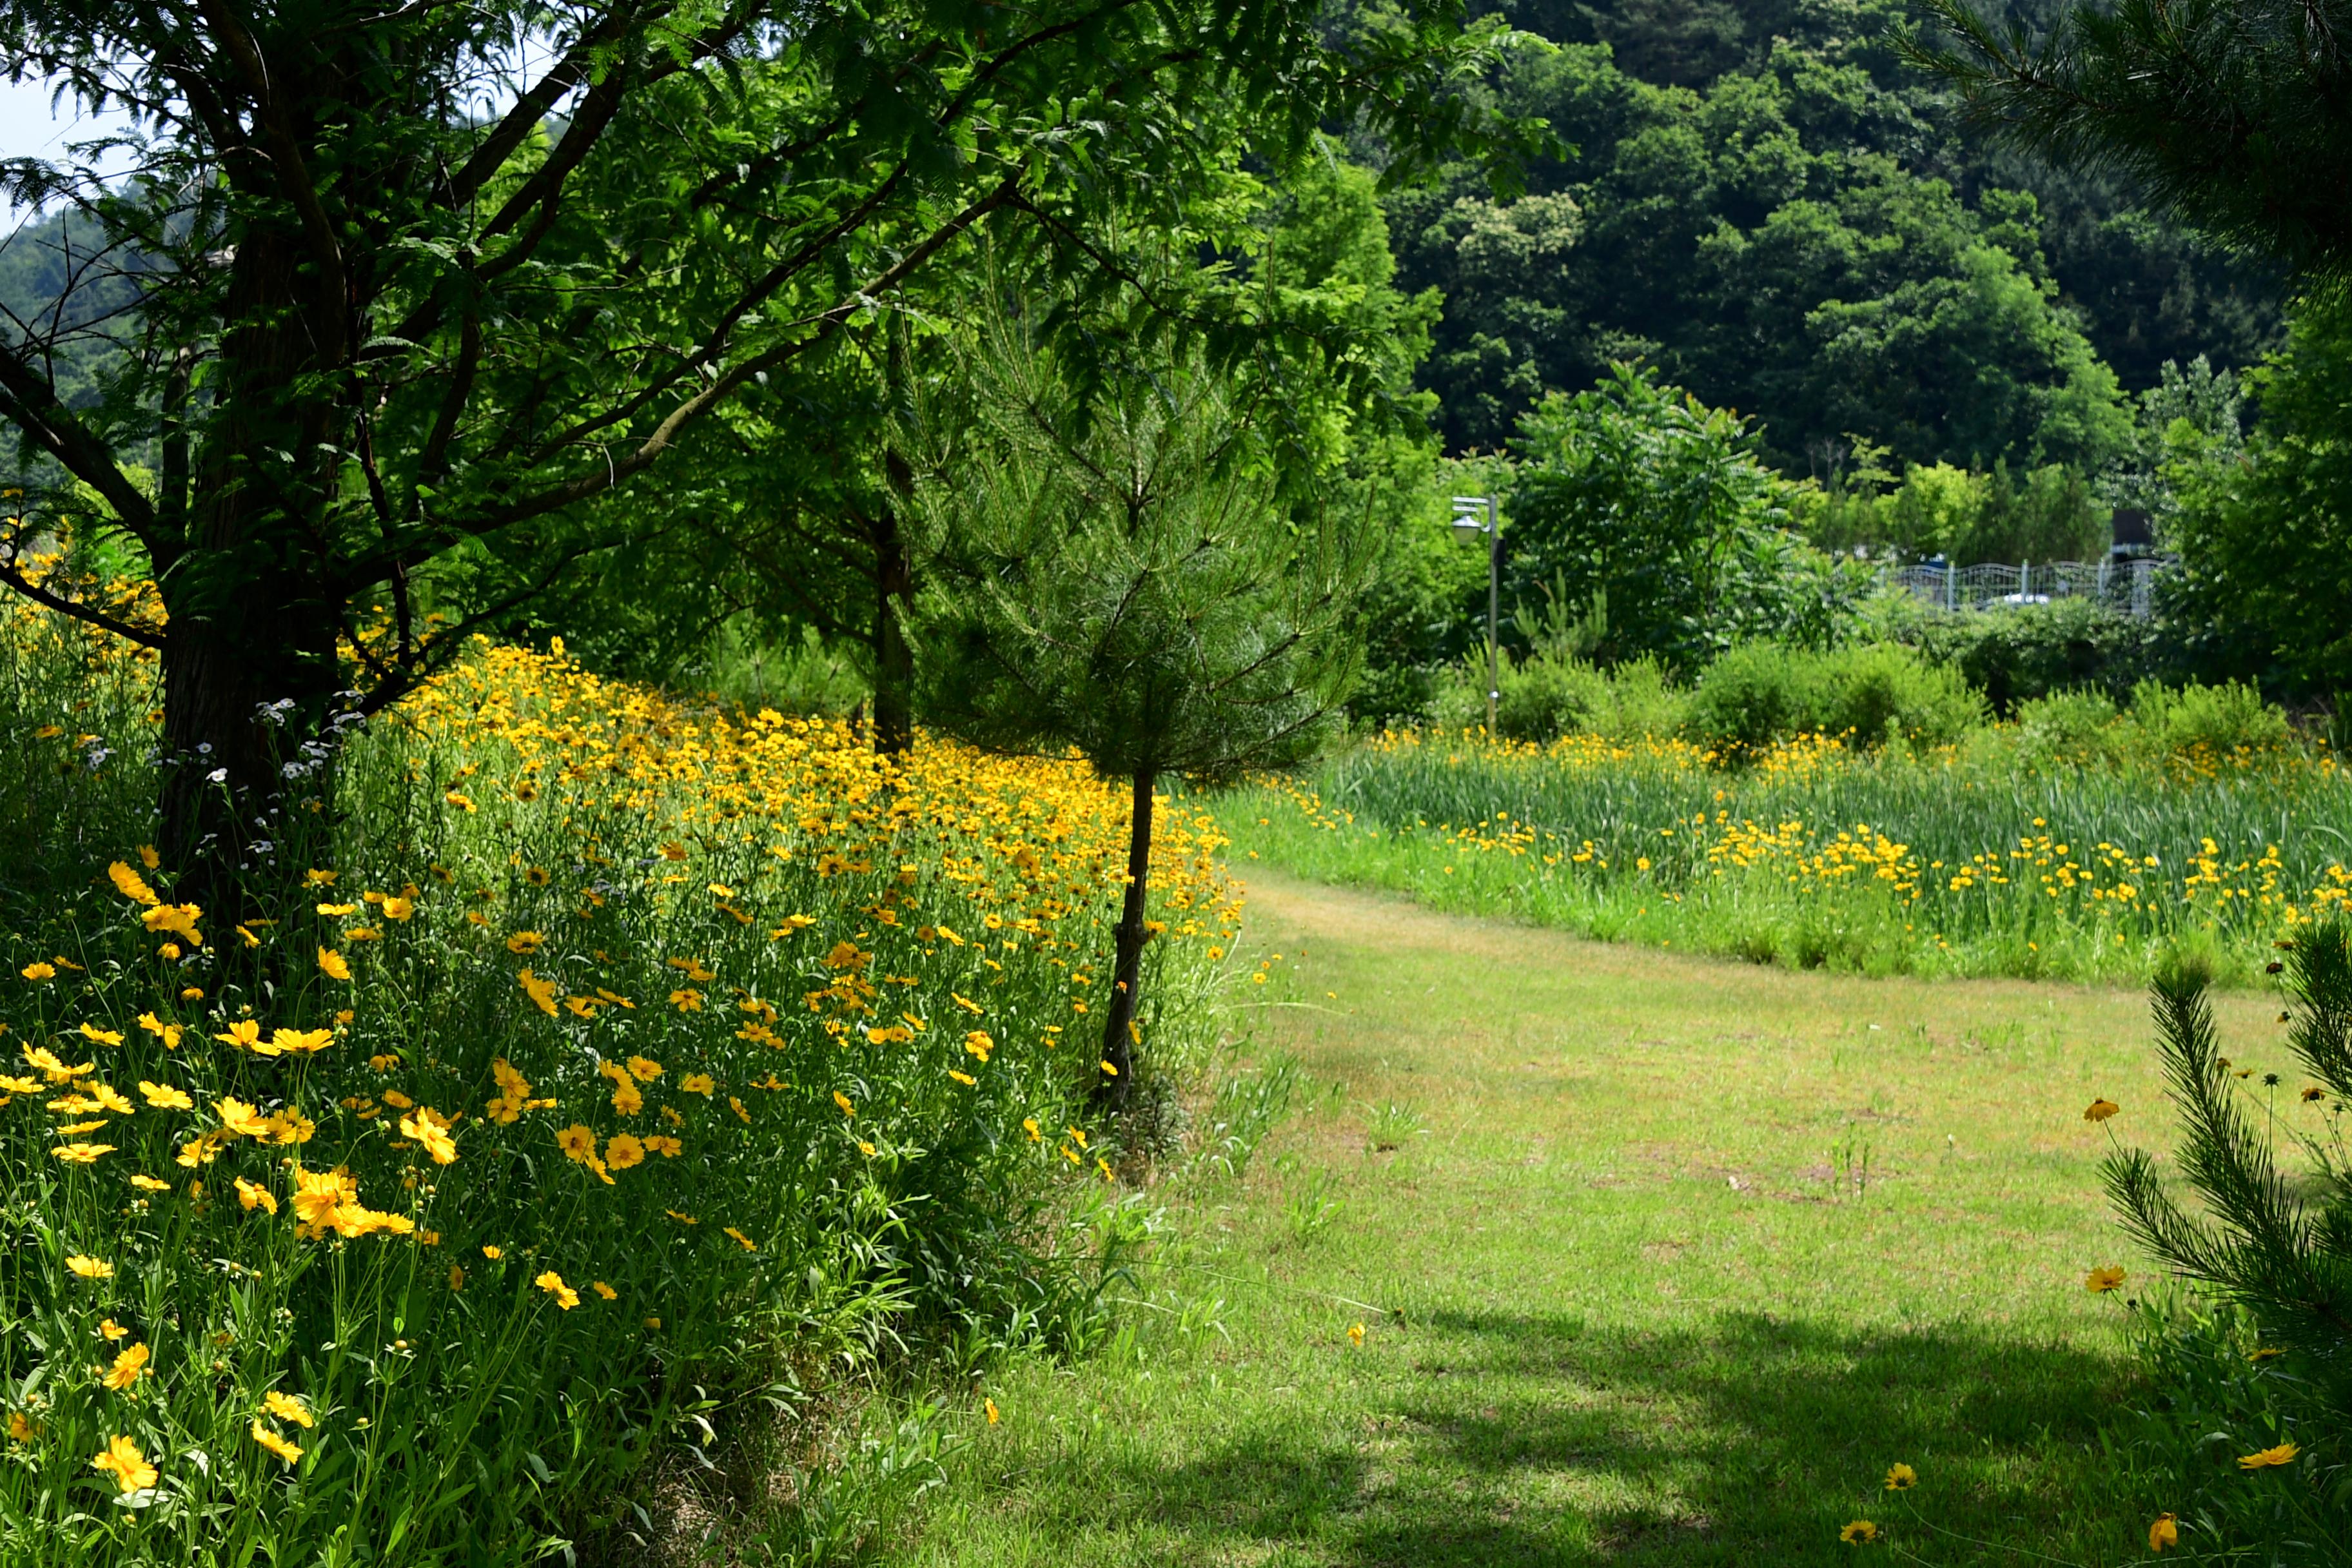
1968,861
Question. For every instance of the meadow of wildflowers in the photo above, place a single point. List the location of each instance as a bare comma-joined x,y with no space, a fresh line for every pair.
612,1066
1956,860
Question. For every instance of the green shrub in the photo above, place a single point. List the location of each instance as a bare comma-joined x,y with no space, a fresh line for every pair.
2017,654
1761,693
2224,721
2079,725
1642,701
1639,493
1545,695
1886,693
1755,695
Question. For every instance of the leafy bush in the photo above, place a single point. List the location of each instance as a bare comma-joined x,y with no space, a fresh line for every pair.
1544,696
2220,722
2265,531
1756,695
2214,1392
2078,726
1886,693
2016,655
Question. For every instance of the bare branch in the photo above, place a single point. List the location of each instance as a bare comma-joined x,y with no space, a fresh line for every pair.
29,402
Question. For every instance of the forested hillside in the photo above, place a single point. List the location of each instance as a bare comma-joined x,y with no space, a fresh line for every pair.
1765,202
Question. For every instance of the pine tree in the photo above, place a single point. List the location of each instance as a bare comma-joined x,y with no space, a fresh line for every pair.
1127,567
2276,1244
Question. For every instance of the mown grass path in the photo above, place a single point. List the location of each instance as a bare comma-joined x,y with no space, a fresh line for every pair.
1616,1309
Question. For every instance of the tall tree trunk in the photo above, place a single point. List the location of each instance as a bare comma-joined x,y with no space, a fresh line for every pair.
894,660
1114,1085
250,665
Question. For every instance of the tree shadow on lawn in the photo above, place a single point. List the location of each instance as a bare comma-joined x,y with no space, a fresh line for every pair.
1538,1439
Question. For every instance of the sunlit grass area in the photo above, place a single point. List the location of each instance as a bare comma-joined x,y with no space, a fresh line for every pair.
1656,1259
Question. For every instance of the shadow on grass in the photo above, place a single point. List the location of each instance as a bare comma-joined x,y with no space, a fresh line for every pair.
1536,1439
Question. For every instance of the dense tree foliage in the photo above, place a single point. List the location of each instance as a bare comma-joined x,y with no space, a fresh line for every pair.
393,353
1769,205
1652,509
2230,112
2265,527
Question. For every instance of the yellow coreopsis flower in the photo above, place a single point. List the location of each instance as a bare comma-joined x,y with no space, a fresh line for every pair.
283,1448
296,1042
552,1283
129,1368
2164,1532
130,1468
286,1407
245,1034
1860,1532
2100,1109
2099,1281
432,1131
133,885
1901,1477
164,1096
576,1142
81,1153
2268,1458
540,991
334,965
251,1196
90,1267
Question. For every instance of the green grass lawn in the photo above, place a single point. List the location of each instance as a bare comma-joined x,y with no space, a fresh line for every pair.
1616,1307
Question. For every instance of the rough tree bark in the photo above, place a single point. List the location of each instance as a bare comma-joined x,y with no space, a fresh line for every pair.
1113,1088
249,625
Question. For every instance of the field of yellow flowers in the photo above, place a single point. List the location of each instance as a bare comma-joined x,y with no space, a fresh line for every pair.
620,1064
1966,862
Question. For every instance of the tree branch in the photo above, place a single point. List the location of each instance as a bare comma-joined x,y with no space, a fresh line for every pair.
15,578
28,401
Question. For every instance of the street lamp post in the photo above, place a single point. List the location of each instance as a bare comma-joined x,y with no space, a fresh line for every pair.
1473,516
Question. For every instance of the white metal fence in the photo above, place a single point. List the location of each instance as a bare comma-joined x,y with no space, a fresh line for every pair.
2129,586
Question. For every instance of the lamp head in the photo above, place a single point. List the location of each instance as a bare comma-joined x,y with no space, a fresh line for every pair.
1474,516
